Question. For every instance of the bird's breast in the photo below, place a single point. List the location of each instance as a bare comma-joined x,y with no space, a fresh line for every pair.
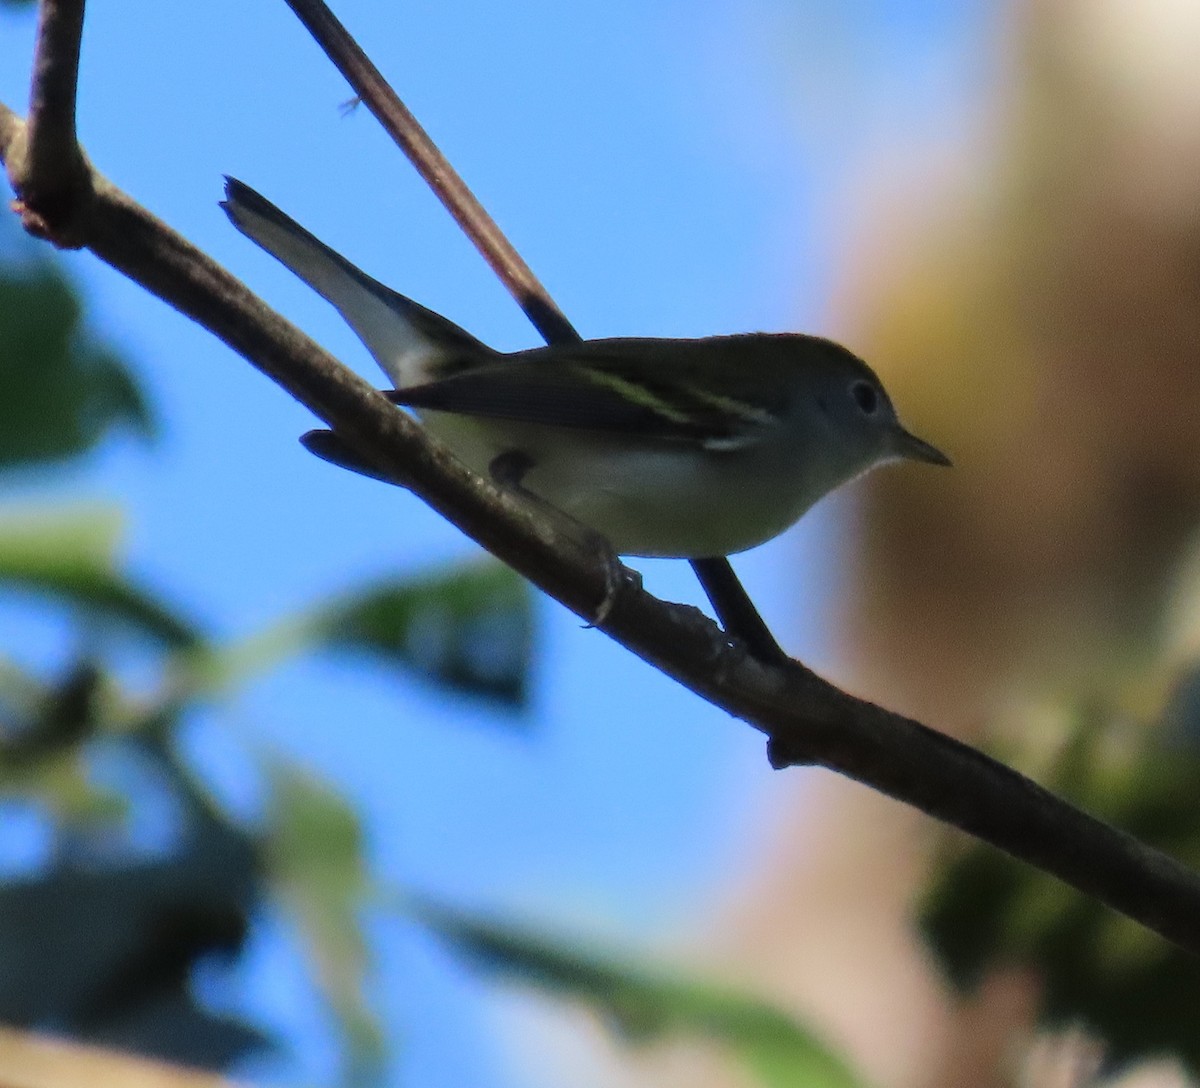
663,499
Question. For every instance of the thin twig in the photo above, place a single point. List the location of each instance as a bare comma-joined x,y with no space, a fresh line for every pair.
726,593
50,175
806,718
399,123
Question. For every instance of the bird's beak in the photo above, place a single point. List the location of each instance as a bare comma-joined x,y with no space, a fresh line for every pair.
917,449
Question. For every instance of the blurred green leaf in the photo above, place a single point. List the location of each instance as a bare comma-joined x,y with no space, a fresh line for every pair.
105,952
22,698
59,718
645,1005
314,856
176,1028
68,555
102,944
467,628
58,394
984,912
44,728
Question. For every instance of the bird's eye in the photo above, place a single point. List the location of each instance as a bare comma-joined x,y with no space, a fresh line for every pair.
865,397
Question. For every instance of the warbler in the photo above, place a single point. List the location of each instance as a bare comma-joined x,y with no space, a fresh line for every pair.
671,448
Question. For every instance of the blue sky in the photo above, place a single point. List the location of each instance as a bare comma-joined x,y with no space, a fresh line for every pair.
667,168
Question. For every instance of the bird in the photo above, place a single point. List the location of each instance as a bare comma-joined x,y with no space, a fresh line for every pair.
668,448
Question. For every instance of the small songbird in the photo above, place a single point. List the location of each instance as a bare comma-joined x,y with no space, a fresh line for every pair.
676,448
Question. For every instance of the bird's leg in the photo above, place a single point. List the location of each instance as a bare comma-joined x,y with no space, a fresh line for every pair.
735,610
508,470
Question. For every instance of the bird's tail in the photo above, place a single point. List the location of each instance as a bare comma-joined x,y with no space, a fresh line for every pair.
412,344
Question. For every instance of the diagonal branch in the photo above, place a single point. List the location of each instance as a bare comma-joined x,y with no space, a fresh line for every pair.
399,123
729,599
806,719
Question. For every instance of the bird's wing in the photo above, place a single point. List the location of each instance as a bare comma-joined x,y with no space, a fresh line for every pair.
603,393
412,344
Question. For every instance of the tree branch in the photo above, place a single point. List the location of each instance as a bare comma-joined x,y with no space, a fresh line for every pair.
806,719
729,599
48,163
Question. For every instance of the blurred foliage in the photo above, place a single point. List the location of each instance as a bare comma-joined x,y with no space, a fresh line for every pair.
105,952
984,912
146,925
100,943
469,628
313,850
69,554
59,393
465,628
644,1005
